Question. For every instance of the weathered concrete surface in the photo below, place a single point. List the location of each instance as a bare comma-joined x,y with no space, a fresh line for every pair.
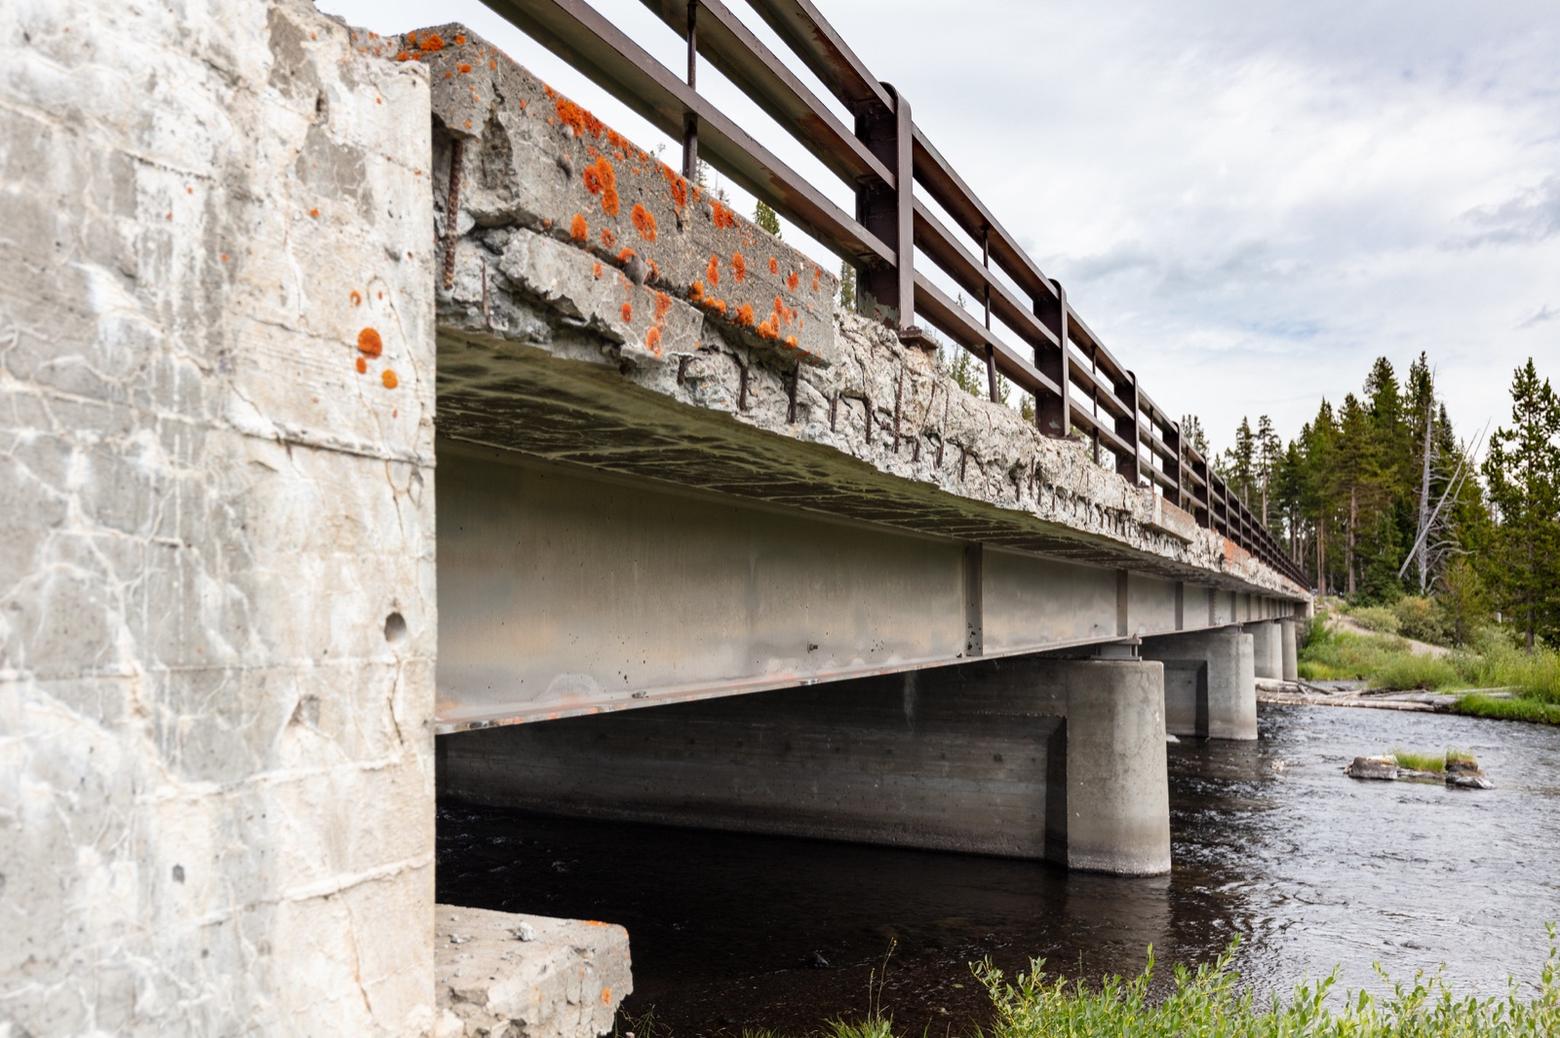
531,358
503,973
1290,634
1029,757
953,758
216,535
1210,683
1118,786
1267,650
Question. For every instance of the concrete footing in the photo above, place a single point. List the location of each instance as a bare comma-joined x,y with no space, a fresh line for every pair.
500,973
1024,757
1289,633
1210,682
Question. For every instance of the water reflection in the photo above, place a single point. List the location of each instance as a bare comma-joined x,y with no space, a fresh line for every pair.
1271,842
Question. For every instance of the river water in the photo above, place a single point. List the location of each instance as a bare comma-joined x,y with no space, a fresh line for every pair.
1271,843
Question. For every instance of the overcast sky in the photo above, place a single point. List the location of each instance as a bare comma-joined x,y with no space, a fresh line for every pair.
1248,202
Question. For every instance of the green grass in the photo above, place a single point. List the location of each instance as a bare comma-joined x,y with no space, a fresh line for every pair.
1520,708
1385,662
1207,1002
1435,762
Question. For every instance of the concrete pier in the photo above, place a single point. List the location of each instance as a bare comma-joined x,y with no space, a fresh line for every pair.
1289,633
1022,757
1267,649
1210,688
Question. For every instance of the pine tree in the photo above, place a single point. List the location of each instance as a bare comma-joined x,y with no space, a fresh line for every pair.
1192,435
847,286
766,218
1523,472
1269,449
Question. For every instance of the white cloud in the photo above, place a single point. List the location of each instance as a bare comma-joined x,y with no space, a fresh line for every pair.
1248,202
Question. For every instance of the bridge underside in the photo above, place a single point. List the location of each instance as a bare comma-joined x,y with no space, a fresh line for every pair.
566,591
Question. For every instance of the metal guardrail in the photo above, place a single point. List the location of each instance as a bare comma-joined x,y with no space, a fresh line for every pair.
1077,383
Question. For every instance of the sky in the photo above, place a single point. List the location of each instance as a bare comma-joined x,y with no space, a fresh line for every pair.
1248,202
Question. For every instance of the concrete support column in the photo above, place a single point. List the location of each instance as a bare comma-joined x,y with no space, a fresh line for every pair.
1289,632
1025,757
1210,682
1267,649
1118,793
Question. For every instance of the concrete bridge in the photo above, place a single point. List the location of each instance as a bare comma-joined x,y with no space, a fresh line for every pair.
702,548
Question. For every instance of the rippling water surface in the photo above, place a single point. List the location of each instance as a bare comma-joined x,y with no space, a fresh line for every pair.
1271,842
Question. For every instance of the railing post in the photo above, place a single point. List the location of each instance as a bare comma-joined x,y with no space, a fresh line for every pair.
1053,414
1173,467
1204,511
690,160
1127,429
888,292
985,295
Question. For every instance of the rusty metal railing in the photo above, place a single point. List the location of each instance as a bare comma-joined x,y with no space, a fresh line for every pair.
1076,382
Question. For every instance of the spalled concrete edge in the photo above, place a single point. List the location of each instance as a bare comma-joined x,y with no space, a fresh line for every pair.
502,973
529,278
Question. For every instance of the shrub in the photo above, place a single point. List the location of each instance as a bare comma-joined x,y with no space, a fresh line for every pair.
1420,619
1377,618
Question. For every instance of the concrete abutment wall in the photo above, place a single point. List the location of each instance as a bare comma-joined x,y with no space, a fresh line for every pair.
1027,757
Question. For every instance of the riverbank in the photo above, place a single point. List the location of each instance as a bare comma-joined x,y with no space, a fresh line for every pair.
1208,999
1490,679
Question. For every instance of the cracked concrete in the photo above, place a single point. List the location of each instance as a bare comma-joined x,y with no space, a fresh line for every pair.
216,780
533,355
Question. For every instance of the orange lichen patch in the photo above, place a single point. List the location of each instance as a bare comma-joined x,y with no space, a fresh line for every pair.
369,343
663,306
625,254
388,378
628,312
745,315
606,996
403,56
601,179
356,297
608,237
696,291
579,230
722,215
577,117
596,270
739,266
362,365
817,276
677,185
712,272
460,39
429,43
315,213
655,270
653,340
719,306
774,265
790,340
468,124
465,69
644,222
793,281
769,328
